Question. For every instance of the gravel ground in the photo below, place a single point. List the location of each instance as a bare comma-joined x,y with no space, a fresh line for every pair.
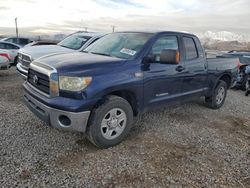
184,146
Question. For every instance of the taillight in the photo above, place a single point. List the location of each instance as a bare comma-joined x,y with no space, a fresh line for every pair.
238,65
5,55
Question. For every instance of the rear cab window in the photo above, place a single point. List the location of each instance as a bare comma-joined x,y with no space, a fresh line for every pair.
190,48
199,48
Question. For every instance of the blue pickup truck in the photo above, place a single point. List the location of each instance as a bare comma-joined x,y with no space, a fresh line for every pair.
101,90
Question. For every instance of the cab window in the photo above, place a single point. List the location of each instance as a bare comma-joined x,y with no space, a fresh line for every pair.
164,43
11,47
2,46
199,47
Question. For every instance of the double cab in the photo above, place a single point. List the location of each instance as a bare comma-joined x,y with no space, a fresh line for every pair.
101,90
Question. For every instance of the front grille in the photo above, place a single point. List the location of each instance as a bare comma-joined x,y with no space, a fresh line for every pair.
24,60
39,81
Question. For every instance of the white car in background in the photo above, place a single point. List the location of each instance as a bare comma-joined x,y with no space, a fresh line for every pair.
20,40
4,61
75,42
11,49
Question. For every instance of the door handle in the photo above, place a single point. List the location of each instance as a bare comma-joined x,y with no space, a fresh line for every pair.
180,68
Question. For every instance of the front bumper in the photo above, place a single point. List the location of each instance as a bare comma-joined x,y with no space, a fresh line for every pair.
23,72
71,121
4,66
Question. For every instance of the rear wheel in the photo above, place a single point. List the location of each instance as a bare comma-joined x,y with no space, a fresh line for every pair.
110,123
219,95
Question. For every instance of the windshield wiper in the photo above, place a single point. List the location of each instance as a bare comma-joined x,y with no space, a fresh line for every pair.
65,47
97,53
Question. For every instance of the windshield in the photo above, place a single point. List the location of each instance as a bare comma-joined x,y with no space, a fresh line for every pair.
120,45
74,42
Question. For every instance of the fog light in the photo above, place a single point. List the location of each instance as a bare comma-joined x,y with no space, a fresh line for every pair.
64,120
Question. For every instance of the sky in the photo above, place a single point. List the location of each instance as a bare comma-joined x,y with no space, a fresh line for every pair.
67,16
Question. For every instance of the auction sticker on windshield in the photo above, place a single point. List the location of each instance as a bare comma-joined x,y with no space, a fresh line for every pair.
128,51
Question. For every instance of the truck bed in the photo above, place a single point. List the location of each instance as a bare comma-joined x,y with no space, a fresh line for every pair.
223,64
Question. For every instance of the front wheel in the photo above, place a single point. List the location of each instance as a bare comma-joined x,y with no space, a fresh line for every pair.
110,123
15,61
219,95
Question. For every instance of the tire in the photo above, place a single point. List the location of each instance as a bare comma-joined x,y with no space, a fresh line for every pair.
247,88
217,100
247,93
245,84
110,122
15,61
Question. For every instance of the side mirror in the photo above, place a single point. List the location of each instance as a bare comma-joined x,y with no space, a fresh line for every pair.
148,59
170,57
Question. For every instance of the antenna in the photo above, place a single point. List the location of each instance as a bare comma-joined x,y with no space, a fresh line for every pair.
113,28
16,28
81,27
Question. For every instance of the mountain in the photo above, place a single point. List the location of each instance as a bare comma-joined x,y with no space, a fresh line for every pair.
224,36
224,41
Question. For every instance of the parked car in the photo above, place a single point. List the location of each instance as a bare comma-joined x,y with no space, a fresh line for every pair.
248,83
101,90
20,41
244,61
4,61
75,42
11,49
244,74
42,42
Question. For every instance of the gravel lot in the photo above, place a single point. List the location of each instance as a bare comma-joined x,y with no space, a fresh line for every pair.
184,146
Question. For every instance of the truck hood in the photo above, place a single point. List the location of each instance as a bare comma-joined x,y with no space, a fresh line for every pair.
79,63
39,51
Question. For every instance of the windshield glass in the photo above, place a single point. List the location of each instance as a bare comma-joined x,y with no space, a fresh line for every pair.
120,45
74,42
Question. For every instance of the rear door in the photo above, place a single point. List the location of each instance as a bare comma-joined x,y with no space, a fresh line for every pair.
162,82
195,81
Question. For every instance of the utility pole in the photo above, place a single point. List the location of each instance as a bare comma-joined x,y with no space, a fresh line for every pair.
81,25
113,28
16,28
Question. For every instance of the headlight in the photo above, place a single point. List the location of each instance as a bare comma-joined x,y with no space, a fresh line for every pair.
74,83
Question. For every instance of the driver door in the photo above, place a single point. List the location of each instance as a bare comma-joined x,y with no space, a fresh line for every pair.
162,82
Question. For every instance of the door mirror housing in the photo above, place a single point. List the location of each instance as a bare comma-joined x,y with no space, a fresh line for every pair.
148,59
169,57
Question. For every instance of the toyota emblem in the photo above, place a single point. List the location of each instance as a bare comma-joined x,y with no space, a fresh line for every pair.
35,79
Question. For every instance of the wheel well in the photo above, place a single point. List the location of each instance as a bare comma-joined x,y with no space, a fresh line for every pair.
226,78
125,94
128,96
15,60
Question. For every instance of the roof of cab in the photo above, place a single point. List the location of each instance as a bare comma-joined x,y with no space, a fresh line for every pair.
158,32
89,34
